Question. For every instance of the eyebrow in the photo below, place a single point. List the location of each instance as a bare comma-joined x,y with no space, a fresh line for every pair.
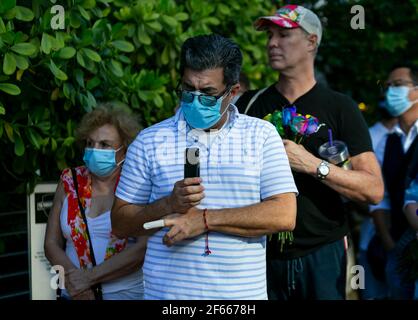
101,141
207,89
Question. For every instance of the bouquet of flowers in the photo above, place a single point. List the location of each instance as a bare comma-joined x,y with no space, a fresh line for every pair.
296,127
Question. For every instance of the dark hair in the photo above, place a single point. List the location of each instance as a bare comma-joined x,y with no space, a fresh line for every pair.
413,69
125,122
209,52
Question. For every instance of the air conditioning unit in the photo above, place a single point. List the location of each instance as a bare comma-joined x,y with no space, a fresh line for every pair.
40,276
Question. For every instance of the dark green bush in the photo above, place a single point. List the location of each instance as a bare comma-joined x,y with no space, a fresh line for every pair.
124,51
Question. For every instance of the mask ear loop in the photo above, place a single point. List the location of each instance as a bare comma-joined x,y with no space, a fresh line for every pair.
120,162
416,100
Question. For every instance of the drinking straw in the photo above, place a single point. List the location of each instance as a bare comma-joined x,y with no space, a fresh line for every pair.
330,137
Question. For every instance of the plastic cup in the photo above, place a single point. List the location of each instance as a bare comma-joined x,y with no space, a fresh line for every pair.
337,154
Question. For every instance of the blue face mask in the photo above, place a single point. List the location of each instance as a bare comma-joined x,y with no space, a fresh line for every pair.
101,162
397,101
200,116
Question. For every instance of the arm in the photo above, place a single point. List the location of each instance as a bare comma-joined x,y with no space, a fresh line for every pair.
54,241
124,263
363,184
411,215
275,213
128,219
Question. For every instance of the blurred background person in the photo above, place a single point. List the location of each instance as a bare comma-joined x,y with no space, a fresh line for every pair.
375,284
401,101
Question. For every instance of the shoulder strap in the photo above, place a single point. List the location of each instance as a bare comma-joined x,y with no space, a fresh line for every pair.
97,289
259,92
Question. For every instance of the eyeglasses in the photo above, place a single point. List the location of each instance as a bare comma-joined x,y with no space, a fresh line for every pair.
204,99
398,83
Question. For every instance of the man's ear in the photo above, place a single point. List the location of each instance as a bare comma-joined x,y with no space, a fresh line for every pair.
312,42
235,89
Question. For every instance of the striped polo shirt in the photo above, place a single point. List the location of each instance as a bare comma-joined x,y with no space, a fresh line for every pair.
240,165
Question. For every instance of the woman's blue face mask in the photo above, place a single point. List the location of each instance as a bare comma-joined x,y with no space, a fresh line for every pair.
101,162
201,111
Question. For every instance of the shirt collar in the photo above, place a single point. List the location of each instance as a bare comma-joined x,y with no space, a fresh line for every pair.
414,129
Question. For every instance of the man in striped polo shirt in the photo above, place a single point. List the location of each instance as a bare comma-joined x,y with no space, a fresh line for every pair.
212,245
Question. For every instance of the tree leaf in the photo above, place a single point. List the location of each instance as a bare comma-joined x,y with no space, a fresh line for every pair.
3,28
79,76
93,83
68,142
2,112
34,137
19,146
89,4
46,43
143,37
84,13
169,21
57,72
6,5
53,144
92,55
181,16
10,88
116,68
9,131
66,53
9,63
80,59
21,62
19,74
24,14
155,26
25,49
124,46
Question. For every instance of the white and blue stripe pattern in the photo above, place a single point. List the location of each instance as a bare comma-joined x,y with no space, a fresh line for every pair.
245,163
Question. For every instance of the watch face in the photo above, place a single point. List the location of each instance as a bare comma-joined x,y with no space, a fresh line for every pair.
323,169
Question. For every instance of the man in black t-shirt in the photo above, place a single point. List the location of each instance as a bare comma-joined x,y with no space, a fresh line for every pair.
314,265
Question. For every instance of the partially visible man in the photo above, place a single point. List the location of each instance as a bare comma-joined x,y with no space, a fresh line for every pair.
213,243
314,265
399,168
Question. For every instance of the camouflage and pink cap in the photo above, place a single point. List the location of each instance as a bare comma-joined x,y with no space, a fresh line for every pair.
293,16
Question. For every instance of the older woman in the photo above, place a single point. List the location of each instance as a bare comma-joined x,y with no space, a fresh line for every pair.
97,264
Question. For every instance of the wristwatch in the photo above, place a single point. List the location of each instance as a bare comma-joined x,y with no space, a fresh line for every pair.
323,170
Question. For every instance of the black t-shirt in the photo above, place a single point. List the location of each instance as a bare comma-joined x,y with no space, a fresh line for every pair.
321,218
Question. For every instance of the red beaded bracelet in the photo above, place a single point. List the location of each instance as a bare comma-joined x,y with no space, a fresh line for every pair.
207,251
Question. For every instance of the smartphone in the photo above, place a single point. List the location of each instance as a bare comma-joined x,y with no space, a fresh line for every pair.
191,163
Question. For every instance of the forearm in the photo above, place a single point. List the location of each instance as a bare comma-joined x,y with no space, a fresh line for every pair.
128,219
267,217
355,185
57,256
121,264
411,215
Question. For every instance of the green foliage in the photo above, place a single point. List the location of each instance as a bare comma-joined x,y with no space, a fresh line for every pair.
128,51
118,50
357,62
